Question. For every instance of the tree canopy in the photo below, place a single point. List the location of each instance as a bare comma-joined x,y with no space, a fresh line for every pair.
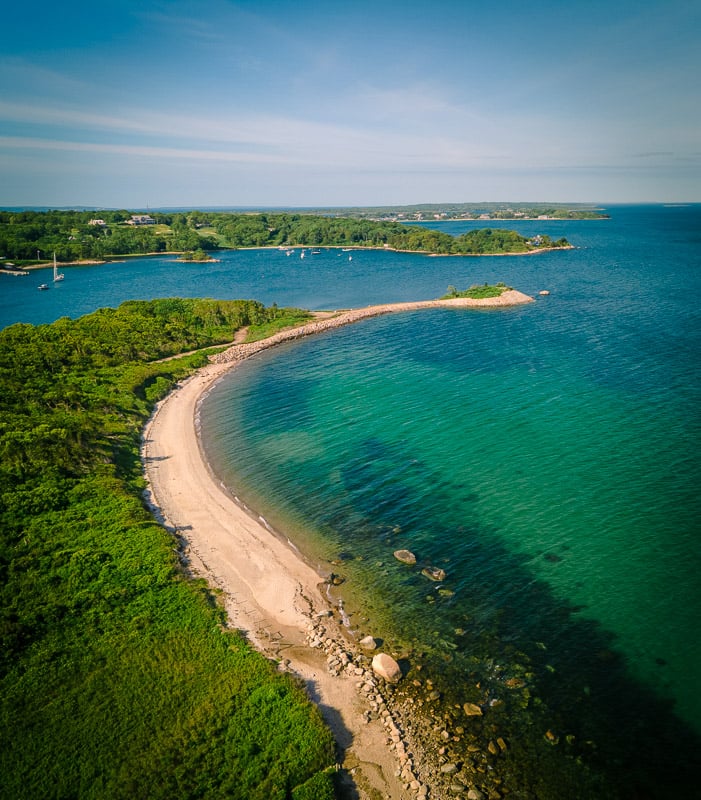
24,236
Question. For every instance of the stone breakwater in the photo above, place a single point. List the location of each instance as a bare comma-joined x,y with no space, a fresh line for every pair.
240,352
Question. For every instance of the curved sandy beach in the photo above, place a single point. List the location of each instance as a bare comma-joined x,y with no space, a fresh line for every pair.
269,591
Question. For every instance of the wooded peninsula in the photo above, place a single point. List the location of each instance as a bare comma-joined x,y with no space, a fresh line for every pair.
31,237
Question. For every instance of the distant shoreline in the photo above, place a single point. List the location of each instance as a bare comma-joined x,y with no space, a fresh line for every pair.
350,249
360,249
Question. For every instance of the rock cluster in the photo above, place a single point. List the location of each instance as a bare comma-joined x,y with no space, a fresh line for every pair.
441,751
457,749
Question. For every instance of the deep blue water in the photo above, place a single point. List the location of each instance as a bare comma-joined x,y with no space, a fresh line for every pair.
547,457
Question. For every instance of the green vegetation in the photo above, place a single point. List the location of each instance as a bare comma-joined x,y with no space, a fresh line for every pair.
117,677
477,291
279,320
25,235
28,236
266,230
196,255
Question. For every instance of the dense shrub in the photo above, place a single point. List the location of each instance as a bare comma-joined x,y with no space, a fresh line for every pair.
117,677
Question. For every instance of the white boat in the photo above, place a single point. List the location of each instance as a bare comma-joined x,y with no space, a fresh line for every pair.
58,276
43,286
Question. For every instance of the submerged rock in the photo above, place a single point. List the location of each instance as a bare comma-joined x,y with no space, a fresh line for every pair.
386,667
434,573
368,643
472,710
551,738
405,556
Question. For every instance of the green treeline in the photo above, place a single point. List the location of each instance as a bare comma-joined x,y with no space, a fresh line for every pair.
29,235
117,678
70,235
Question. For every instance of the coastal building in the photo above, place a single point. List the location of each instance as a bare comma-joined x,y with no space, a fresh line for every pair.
141,219
99,222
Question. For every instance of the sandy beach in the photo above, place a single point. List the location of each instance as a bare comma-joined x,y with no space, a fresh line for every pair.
269,591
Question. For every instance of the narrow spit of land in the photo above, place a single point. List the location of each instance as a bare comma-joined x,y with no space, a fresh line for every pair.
329,320
270,592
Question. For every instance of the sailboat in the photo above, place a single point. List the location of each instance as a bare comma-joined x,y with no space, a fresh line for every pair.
58,276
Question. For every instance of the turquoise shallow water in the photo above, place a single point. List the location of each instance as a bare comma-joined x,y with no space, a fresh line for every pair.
547,457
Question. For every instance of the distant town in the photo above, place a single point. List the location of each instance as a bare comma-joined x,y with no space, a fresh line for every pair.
470,211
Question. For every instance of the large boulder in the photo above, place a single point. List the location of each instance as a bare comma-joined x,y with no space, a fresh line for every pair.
386,667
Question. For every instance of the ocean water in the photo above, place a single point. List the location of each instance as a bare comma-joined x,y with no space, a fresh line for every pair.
546,457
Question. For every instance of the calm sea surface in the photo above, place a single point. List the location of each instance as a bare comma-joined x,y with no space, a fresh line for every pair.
547,457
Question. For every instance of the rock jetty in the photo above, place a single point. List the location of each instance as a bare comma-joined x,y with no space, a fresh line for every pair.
240,352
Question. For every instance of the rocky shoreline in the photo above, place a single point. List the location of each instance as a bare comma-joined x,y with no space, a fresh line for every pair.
422,741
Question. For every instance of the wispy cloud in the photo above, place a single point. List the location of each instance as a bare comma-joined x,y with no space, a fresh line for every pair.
29,143
269,137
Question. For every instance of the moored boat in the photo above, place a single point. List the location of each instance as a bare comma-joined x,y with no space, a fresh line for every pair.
58,276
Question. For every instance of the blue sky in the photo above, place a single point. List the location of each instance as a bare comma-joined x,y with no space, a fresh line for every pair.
279,103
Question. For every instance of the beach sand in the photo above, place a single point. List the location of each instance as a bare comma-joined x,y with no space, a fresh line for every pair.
269,591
